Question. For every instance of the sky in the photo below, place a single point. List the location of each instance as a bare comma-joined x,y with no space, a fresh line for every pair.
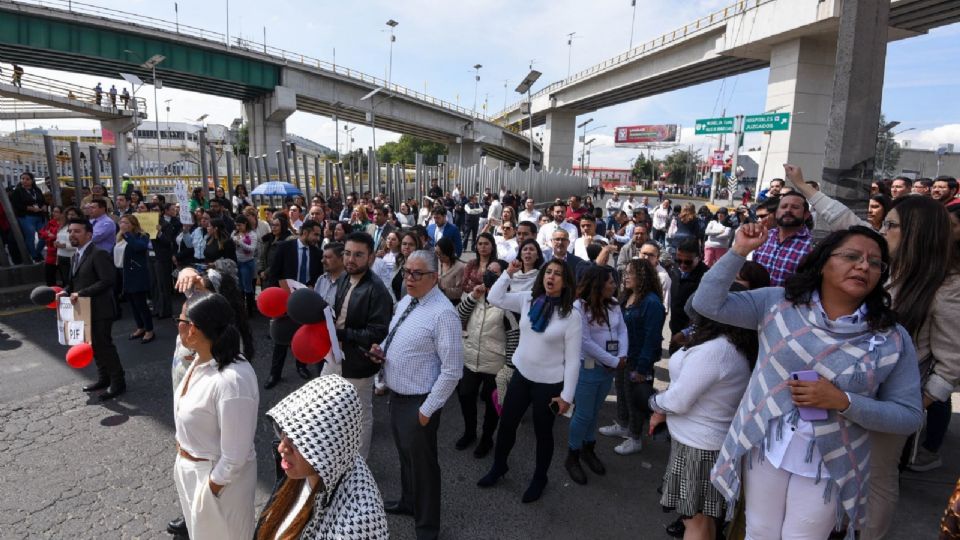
438,42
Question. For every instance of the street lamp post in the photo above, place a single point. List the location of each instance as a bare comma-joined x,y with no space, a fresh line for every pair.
476,88
583,140
392,24
886,142
524,88
570,51
152,65
633,21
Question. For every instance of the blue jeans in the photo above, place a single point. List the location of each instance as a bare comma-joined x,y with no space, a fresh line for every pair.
246,271
592,389
29,225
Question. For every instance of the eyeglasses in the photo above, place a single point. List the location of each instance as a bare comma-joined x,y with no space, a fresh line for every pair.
684,262
183,321
887,224
414,275
852,257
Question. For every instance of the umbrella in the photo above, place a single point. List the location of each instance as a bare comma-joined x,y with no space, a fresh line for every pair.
283,189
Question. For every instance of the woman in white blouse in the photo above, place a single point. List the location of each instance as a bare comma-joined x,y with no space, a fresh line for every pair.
215,412
604,349
547,362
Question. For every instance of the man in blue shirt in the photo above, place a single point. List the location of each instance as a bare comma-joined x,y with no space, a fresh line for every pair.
440,228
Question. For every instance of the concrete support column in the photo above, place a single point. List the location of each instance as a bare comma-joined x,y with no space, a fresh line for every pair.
801,83
266,121
467,157
120,127
558,140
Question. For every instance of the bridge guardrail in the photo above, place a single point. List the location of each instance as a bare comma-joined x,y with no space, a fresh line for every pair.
31,81
247,45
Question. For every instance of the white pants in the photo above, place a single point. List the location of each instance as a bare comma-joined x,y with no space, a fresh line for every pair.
209,517
783,505
365,391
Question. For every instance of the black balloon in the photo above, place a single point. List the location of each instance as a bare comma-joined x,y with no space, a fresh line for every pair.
42,295
306,306
282,330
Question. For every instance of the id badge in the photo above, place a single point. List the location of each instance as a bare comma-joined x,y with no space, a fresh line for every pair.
613,346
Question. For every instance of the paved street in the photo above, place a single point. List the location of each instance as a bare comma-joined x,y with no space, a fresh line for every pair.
71,467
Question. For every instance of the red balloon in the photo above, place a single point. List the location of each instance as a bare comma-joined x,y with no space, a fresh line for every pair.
311,343
272,302
53,305
80,355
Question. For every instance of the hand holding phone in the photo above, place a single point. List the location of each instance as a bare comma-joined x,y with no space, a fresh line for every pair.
801,395
375,354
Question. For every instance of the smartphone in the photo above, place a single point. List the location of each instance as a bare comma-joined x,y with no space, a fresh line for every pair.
378,358
555,407
809,413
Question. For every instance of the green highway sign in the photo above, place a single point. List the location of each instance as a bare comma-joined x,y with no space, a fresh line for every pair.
709,126
767,122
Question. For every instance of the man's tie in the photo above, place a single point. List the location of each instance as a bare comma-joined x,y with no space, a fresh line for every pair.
75,263
304,275
403,316
376,236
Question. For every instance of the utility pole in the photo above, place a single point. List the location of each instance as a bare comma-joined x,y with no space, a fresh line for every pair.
392,24
570,53
476,88
737,135
633,21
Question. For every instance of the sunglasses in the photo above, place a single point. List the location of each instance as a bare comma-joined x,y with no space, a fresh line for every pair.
684,262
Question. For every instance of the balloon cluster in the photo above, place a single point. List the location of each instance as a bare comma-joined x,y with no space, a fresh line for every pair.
297,320
79,356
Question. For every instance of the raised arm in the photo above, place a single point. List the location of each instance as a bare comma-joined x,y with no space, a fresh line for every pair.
834,214
498,295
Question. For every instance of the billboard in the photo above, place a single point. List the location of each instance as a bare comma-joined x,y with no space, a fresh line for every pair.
640,135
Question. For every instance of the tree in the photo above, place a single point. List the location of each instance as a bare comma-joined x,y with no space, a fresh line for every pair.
404,150
642,168
243,141
887,152
680,165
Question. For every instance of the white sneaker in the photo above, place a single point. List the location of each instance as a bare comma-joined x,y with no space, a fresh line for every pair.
629,446
615,430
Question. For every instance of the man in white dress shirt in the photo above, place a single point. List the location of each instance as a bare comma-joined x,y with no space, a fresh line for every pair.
422,362
529,213
545,236
507,243
588,235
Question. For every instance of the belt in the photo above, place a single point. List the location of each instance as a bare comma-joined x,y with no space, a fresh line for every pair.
412,396
186,455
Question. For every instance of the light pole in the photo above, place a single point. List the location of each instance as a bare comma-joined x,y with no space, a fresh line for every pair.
524,88
476,88
886,142
583,139
588,143
569,51
151,64
633,21
167,103
392,24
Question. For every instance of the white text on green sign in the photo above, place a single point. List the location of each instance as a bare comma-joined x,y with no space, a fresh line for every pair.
767,122
707,126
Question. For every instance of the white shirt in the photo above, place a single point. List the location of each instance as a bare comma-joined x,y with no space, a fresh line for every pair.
63,237
496,209
660,217
532,216
118,249
507,249
706,385
595,337
545,234
326,287
217,417
580,245
548,357
613,206
628,207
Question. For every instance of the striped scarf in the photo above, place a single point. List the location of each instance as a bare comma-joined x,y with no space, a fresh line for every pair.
850,355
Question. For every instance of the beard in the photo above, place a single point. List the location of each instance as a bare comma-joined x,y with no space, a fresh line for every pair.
789,220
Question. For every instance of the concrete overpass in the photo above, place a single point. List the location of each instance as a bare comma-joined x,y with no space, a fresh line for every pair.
796,39
271,83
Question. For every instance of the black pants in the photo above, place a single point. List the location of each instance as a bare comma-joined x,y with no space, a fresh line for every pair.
470,386
279,357
141,311
50,274
105,353
470,230
523,393
163,269
419,467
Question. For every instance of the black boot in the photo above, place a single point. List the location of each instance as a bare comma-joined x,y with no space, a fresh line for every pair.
573,467
251,304
591,459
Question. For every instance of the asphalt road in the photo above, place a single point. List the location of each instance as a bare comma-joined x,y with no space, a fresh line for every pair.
72,467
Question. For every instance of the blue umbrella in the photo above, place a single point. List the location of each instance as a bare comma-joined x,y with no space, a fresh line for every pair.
282,189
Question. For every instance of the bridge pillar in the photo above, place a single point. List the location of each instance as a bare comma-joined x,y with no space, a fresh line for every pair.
467,154
265,118
119,128
800,82
558,140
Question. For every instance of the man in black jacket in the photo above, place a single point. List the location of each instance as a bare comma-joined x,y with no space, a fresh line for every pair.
684,280
165,246
301,260
92,275
363,313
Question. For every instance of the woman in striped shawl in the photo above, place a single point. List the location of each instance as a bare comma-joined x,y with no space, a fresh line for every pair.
800,476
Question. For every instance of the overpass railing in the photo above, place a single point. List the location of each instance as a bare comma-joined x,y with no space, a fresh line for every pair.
702,24
74,92
247,45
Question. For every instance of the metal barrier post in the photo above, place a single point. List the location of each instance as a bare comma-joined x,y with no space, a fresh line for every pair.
52,179
75,165
94,161
229,157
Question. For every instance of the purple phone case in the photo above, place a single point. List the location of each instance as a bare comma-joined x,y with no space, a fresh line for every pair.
809,413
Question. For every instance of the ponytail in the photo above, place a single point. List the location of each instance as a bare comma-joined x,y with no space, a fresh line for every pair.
213,315
226,346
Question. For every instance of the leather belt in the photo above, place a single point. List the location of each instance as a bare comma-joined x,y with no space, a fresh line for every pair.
186,455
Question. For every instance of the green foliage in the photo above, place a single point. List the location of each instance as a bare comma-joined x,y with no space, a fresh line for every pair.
404,150
887,152
681,165
242,147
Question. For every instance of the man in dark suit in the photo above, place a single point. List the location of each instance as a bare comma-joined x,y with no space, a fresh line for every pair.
561,246
92,275
165,246
440,228
379,229
684,281
299,259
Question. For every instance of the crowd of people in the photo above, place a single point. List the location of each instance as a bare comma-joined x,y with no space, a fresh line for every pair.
805,345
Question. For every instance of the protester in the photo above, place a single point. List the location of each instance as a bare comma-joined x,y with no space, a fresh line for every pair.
440,228
136,280
422,359
900,187
489,339
240,200
164,245
838,290
246,243
215,413
685,227
268,248
65,251
409,242
451,269
545,235
547,363
788,242
327,490
604,350
719,233
48,234
219,244
197,200
877,208
486,252
29,206
684,281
